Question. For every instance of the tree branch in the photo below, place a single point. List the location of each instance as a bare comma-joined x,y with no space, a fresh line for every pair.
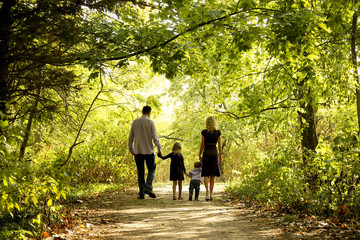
172,138
82,124
29,125
190,29
233,115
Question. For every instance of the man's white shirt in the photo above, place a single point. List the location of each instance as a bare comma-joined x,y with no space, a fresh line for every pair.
142,135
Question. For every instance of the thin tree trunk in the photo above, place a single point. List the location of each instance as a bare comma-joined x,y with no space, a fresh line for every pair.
355,65
29,125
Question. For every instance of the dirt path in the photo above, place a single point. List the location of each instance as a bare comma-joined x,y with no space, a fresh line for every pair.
120,215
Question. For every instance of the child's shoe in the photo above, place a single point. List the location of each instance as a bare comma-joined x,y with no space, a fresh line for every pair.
190,198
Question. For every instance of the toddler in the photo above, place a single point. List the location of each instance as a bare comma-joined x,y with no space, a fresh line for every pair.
196,179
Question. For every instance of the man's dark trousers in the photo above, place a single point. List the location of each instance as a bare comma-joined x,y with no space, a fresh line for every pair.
149,159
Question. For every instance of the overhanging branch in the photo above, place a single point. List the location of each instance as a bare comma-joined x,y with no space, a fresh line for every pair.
172,138
233,115
190,29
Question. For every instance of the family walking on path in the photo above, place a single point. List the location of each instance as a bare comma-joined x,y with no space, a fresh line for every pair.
115,216
143,136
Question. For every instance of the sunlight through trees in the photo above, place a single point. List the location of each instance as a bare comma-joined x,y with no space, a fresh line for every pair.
281,78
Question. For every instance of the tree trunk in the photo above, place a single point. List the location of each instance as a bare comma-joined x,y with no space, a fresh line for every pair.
355,66
5,32
309,143
309,139
29,125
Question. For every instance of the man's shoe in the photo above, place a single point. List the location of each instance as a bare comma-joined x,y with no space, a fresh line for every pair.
151,194
190,198
141,197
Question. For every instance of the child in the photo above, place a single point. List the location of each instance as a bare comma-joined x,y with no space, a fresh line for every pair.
177,168
196,179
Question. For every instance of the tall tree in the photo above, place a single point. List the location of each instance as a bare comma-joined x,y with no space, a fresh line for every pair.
354,30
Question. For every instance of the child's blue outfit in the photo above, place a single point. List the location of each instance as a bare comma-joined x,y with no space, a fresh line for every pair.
196,179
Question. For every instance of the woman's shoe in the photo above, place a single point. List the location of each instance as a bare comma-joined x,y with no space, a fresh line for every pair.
207,196
174,198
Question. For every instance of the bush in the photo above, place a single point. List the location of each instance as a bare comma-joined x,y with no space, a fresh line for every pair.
326,184
29,196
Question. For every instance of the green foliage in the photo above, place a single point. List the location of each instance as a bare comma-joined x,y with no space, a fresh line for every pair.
276,74
325,186
105,159
83,191
30,198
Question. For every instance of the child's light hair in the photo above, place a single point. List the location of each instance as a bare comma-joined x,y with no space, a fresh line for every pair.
176,147
210,124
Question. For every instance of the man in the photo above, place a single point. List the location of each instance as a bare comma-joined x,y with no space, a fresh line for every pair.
142,134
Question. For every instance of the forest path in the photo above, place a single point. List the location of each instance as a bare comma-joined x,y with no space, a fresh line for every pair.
120,215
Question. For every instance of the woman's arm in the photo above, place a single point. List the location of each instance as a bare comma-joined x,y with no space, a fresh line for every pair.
220,149
201,147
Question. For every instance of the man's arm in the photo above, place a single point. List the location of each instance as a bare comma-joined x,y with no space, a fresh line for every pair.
131,140
155,137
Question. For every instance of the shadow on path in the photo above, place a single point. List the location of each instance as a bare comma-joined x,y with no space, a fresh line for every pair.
120,215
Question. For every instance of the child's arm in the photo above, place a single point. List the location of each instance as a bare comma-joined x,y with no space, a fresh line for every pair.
162,157
182,163
189,174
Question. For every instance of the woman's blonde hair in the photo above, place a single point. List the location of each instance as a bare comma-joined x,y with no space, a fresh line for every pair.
211,124
176,147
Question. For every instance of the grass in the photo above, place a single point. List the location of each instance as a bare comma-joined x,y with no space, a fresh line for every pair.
93,189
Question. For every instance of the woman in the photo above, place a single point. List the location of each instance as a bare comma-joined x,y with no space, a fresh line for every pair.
210,156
